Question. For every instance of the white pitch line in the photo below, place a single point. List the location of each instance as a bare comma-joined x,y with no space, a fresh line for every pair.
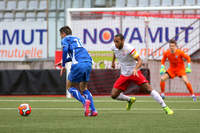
97,101
102,109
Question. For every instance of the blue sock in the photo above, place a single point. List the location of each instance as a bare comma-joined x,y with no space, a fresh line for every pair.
76,94
88,96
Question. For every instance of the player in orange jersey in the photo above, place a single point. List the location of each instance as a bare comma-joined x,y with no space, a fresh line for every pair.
177,68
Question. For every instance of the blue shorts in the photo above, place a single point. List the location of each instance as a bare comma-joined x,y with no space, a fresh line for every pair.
80,72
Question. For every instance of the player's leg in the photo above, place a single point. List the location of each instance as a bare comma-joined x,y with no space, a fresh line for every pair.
75,77
157,97
189,86
86,69
118,95
68,94
153,93
121,85
75,92
143,83
88,95
162,84
68,67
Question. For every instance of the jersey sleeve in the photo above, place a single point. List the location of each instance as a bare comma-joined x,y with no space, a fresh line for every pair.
65,52
133,52
164,58
68,59
187,57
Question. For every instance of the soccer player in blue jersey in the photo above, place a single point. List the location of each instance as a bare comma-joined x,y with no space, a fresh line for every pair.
80,69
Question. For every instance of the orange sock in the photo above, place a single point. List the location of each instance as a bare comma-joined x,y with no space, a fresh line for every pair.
189,87
162,86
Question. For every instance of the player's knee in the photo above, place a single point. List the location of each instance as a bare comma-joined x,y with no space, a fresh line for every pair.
70,90
186,82
147,87
148,91
115,93
113,96
162,79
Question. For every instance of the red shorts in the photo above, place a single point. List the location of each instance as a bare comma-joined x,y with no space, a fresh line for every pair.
176,72
123,81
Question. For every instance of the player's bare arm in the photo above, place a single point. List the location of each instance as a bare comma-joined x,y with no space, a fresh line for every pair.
113,61
138,65
58,64
136,56
62,71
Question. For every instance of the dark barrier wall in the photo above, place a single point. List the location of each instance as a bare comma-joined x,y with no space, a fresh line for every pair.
101,82
31,82
49,82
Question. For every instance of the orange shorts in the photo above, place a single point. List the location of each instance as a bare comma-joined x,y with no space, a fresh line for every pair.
176,72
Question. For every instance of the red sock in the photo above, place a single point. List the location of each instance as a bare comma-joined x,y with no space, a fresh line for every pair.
162,86
189,87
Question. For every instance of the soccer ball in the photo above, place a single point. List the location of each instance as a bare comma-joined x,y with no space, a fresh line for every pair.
24,109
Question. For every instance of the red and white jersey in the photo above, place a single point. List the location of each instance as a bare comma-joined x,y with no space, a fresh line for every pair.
125,57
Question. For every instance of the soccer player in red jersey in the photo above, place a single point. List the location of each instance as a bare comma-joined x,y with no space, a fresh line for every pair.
176,58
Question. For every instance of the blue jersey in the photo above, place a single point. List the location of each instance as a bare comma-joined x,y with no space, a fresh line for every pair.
73,47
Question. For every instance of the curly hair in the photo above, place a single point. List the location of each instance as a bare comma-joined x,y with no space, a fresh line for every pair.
66,29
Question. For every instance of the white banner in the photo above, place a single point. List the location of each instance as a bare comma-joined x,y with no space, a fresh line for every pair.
23,40
98,34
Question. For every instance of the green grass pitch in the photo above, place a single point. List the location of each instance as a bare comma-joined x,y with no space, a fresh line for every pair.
61,115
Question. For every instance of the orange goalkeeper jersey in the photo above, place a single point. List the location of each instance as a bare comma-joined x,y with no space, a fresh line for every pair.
176,59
